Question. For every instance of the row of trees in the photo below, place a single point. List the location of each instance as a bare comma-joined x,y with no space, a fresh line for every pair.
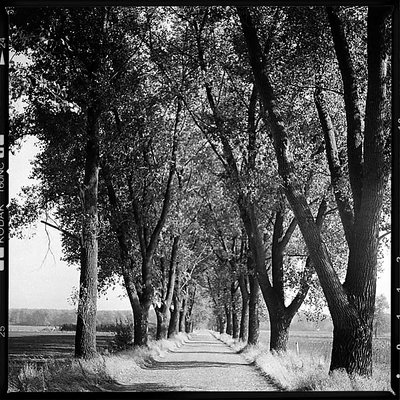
213,149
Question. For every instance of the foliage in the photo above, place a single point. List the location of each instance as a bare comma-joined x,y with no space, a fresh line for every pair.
123,338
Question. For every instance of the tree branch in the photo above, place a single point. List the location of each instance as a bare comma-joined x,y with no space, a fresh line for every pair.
337,175
65,232
351,100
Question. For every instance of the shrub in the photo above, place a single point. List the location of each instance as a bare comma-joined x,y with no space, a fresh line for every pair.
123,337
68,327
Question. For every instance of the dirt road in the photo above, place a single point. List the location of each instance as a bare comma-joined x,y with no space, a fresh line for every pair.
201,364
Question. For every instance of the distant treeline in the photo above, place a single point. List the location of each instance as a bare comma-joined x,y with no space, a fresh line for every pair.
301,323
39,317
99,327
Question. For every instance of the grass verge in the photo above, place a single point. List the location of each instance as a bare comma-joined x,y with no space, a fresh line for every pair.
95,375
307,372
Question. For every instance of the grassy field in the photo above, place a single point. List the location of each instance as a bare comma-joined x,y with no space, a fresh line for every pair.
33,343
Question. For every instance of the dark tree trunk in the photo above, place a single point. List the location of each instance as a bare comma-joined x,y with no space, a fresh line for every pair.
188,326
164,310
132,295
234,311
183,314
352,349
244,317
228,314
85,337
173,327
221,324
163,317
159,322
279,333
235,324
254,322
141,327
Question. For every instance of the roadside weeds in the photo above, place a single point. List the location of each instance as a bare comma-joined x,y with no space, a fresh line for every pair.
95,375
292,372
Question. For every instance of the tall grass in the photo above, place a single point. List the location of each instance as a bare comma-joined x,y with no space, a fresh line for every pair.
309,371
95,375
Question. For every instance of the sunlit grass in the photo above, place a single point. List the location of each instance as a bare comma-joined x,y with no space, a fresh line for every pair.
310,371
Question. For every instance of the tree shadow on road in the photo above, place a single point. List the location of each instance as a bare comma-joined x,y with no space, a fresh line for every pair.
155,365
140,387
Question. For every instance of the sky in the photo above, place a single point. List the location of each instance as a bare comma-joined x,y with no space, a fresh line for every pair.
38,277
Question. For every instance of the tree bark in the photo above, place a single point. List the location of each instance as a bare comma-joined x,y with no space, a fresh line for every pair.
279,333
244,317
220,324
85,337
163,318
183,314
173,327
164,311
235,323
254,322
228,314
191,299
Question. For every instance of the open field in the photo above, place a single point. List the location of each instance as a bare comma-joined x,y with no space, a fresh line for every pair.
35,344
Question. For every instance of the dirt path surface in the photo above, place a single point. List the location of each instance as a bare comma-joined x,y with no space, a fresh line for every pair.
202,364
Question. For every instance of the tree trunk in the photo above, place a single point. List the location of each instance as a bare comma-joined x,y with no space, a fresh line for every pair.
163,317
279,333
233,309
145,298
132,294
228,314
235,324
221,324
173,327
141,326
254,323
165,314
183,314
188,326
85,337
244,317
352,349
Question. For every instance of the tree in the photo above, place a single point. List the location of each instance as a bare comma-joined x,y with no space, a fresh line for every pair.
141,194
68,87
351,304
